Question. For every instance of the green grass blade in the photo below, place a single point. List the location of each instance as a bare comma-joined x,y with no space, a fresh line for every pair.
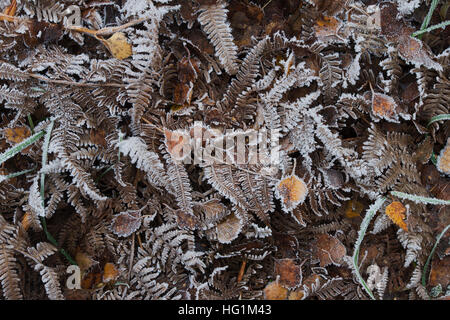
30,121
362,231
14,174
420,199
11,152
425,268
442,25
433,158
439,118
427,20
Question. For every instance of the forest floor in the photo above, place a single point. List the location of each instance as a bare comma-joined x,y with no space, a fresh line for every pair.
335,184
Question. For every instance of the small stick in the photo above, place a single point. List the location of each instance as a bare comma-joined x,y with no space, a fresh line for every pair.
107,31
78,84
130,266
241,271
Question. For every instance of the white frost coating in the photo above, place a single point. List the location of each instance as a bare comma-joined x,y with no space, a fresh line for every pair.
377,279
353,72
381,223
144,159
406,7
412,244
34,198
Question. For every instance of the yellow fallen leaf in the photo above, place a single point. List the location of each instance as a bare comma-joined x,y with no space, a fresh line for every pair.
292,191
353,209
26,220
396,212
118,45
17,134
83,261
274,291
443,160
110,272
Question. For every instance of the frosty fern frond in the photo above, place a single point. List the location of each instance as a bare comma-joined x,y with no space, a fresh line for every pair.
214,22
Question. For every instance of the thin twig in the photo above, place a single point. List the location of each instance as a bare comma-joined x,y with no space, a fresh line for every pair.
73,83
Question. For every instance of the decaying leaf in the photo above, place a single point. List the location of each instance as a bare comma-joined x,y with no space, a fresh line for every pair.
118,45
292,191
229,229
326,28
42,32
290,273
384,106
329,250
125,223
186,220
97,136
439,273
171,78
396,212
413,50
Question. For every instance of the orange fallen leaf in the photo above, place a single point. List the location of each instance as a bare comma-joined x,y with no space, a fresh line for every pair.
26,221
326,27
274,291
110,272
329,250
292,191
353,209
118,45
177,144
125,223
396,212
10,11
443,160
290,273
17,134
91,280
299,294
383,106
84,261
